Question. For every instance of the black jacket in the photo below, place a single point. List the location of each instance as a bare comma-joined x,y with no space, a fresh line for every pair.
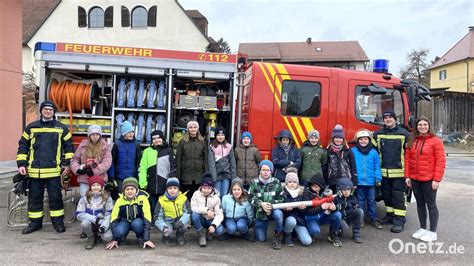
391,146
299,214
345,205
341,164
44,147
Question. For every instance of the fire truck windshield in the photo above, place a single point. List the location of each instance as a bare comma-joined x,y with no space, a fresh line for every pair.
370,106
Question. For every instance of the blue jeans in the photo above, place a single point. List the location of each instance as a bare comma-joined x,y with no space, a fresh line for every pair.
313,222
199,222
121,230
366,194
301,231
234,225
222,186
261,226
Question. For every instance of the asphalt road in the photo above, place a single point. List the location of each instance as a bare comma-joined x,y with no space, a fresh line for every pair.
455,200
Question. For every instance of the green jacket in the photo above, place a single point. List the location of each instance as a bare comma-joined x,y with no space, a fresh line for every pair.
313,160
191,158
272,192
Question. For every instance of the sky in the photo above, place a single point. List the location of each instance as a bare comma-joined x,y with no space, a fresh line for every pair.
386,29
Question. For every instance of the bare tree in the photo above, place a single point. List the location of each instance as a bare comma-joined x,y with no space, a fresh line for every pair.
220,46
416,67
29,92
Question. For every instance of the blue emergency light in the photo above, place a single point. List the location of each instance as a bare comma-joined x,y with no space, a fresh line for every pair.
381,65
45,46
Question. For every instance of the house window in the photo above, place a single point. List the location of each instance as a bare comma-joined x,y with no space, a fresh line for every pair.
139,17
96,18
301,98
442,74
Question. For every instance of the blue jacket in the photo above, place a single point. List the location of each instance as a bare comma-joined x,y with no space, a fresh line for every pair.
126,156
367,166
281,160
234,210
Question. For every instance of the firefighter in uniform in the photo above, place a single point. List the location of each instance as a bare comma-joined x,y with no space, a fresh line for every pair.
45,149
391,142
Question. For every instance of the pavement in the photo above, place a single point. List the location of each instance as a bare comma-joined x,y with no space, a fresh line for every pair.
455,202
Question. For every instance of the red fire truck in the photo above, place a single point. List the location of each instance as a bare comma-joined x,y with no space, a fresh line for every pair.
162,89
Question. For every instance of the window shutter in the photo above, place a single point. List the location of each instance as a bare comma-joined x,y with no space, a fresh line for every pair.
81,17
109,17
125,17
152,17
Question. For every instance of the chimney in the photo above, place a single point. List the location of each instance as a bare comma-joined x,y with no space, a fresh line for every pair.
308,41
471,28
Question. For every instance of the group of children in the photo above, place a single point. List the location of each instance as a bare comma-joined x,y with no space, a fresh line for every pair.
224,192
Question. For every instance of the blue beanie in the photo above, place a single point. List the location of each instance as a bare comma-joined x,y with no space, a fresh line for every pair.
125,128
344,183
267,163
173,181
246,134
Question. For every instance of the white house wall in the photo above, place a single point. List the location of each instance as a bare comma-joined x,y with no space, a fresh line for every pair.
174,29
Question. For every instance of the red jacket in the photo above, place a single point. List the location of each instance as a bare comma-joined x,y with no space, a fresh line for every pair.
425,160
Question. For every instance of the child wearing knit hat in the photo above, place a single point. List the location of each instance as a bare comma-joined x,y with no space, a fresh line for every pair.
172,212
247,157
313,157
340,159
238,212
93,211
207,213
221,162
92,157
285,155
191,159
265,191
131,212
126,156
294,217
157,164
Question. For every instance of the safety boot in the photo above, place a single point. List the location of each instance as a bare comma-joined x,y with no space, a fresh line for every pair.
31,228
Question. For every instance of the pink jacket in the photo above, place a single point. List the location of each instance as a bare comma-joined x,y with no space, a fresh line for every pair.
80,157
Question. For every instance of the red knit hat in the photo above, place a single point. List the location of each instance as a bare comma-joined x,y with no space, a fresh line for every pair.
96,179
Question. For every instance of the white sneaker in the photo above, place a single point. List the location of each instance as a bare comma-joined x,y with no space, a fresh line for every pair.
429,237
418,234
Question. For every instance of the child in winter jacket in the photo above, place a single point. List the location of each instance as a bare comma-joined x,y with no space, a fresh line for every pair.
247,157
238,212
173,212
93,211
207,213
346,204
313,157
285,155
324,214
367,163
265,191
131,212
294,217
221,162
92,157
126,155
191,159
340,159
157,164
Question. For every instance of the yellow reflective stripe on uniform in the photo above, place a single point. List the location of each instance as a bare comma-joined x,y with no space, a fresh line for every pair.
26,136
47,129
56,213
44,175
389,209
44,170
68,155
34,215
21,157
398,212
402,137
67,137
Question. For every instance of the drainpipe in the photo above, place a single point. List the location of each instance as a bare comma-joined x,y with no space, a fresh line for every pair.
467,76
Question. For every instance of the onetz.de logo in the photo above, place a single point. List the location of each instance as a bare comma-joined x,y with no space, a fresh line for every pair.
397,246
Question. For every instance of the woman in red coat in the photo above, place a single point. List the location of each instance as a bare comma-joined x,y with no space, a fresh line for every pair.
424,169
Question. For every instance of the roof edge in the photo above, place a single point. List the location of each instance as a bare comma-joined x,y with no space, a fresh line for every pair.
194,23
41,24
